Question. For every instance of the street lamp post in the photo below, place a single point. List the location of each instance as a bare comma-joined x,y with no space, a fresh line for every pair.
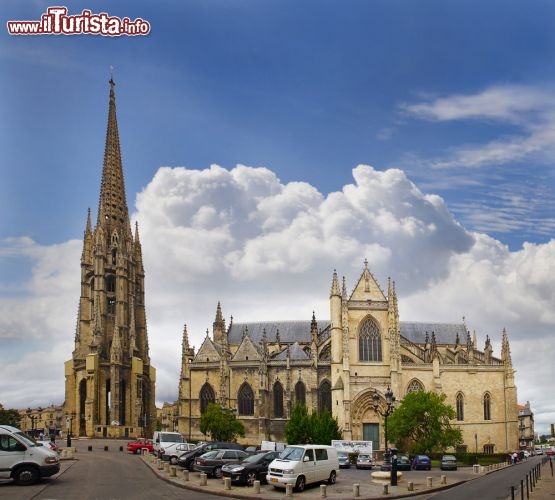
69,420
386,412
476,447
32,418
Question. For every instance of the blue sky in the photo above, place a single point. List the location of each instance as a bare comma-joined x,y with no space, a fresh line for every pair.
457,96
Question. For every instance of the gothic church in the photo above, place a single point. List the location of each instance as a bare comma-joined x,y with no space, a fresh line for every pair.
260,370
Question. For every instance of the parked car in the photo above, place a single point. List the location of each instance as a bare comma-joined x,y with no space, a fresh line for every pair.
251,469
139,444
448,462
187,459
212,462
171,453
364,461
421,462
403,462
343,458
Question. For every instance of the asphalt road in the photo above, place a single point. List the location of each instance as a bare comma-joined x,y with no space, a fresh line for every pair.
100,475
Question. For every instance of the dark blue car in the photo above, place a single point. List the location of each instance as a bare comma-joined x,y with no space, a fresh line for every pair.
421,462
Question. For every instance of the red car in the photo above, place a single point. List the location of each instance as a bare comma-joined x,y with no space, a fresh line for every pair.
138,445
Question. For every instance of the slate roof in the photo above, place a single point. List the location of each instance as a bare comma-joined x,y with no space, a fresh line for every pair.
299,331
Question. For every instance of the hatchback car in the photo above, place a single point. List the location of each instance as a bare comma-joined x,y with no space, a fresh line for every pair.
403,462
251,469
139,444
344,461
421,462
448,462
211,462
187,459
364,461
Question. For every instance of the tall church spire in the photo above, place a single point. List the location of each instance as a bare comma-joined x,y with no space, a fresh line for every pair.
112,205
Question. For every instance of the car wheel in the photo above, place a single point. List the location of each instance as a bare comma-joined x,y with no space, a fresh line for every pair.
301,483
332,478
251,478
191,467
217,472
26,475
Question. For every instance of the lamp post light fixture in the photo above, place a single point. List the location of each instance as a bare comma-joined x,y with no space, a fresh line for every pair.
384,411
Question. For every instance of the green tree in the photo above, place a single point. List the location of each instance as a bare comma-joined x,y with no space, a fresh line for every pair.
297,430
9,417
220,424
318,428
324,428
422,424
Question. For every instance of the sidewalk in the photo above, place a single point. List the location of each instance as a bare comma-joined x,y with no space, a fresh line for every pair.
545,487
342,489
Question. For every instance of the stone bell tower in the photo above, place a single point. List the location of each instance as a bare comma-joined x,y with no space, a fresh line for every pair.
110,383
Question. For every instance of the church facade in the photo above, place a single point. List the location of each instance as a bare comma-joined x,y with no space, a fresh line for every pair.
110,381
346,364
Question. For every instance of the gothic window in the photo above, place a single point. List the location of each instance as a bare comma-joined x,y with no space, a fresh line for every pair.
369,342
300,393
245,400
110,283
324,396
487,407
460,407
415,386
206,397
278,400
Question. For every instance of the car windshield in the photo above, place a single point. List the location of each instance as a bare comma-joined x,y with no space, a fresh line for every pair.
363,457
449,457
28,440
171,438
292,453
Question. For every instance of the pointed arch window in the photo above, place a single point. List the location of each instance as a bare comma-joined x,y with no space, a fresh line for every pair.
278,400
245,400
206,397
460,407
369,342
324,396
415,386
300,393
487,406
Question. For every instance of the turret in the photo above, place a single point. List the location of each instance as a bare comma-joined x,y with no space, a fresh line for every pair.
336,324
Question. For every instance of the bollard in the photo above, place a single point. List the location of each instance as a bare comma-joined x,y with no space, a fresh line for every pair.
476,468
385,489
202,479
256,486
288,490
185,474
106,448
166,466
121,448
89,448
145,451
443,479
356,490
159,464
323,491
227,483
429,482
410,486
173,471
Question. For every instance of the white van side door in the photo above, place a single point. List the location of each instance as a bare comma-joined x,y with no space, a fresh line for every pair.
309,466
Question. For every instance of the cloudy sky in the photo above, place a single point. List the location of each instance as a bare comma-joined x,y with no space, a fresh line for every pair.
267,143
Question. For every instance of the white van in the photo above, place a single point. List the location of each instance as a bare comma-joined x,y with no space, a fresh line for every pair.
164,439
303,464
23,460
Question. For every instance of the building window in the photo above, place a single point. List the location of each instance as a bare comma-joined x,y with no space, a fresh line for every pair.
300,393
324,397
206,397
489,449
487,407
369,342
110,283
460,407
415,386
245,400
278,400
